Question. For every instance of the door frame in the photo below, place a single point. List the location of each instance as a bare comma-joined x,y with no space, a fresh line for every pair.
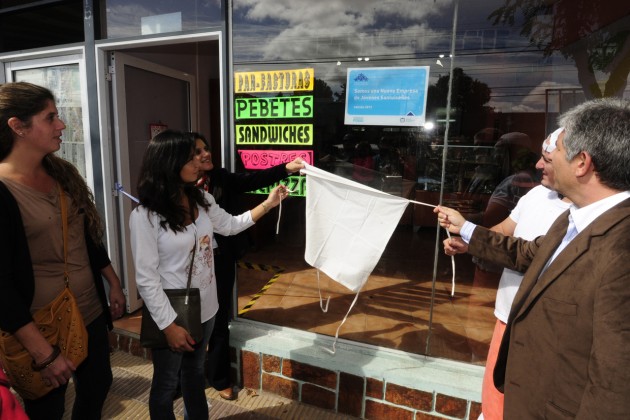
118,245
121,138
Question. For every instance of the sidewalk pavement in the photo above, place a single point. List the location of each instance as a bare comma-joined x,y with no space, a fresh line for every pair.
129,396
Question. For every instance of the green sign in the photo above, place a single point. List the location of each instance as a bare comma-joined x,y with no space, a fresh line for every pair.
282,107
296,184
277,134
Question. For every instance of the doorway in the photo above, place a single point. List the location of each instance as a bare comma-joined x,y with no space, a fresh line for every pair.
170,83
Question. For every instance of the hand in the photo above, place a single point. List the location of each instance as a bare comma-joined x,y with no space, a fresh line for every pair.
450,219
178,338
56,372
116,301
455,245
116,295
295,165
276,195
59,372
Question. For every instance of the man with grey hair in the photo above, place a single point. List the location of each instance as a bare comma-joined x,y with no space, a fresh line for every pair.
565,350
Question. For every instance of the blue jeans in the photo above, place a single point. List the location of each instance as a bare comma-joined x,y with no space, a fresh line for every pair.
187,368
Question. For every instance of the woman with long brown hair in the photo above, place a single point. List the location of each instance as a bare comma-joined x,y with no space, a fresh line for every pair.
33,184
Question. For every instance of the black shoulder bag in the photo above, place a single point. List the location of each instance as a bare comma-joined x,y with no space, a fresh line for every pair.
186,303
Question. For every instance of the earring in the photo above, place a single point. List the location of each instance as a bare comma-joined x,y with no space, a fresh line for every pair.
21,134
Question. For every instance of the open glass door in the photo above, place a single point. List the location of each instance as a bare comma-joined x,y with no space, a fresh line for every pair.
145,95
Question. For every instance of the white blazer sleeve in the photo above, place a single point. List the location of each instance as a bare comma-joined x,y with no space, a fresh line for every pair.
144,247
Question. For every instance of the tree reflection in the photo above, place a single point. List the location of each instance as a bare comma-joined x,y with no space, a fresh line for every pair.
592,33
469,100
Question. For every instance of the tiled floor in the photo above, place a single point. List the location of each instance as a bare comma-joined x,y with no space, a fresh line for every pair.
393,310
128,398
130,322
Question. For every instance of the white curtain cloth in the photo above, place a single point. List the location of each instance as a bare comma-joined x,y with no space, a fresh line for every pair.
348,226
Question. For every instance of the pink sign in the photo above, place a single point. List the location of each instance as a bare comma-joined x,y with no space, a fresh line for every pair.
263,159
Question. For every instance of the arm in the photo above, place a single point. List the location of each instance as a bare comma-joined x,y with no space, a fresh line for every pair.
456,245
509,252
294,166
251,181
278,194
537,201
506,251
495,213
506,227
16,269
225,224
101,264
116,295
450,219
56,373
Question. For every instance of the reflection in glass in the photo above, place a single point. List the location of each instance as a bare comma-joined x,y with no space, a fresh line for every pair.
128,18
512,72
64,82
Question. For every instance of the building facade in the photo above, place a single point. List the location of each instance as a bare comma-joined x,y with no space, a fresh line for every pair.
433,101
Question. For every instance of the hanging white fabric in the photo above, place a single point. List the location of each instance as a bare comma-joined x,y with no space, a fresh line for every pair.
348,226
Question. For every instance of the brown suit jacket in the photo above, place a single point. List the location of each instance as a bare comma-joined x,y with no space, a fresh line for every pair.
566,350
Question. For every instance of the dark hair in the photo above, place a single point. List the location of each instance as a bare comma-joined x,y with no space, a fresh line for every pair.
200,137
160,185
601,127
20,100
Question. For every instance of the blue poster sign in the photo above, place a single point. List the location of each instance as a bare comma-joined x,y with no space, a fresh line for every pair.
394,96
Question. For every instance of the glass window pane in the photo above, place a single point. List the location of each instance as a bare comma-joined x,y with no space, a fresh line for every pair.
393,310
512,71
64,82
146,17
517,69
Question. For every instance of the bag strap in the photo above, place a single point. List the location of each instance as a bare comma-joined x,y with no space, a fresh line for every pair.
193,251
64,228
192,260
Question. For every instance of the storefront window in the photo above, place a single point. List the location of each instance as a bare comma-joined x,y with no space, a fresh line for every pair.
512,70
149,17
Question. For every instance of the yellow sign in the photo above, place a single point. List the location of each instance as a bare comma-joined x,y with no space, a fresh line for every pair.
289,134
274,81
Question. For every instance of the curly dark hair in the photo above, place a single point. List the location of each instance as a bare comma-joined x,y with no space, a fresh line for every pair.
160,186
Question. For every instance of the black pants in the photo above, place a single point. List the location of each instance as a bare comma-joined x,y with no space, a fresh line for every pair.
218,361
92,380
